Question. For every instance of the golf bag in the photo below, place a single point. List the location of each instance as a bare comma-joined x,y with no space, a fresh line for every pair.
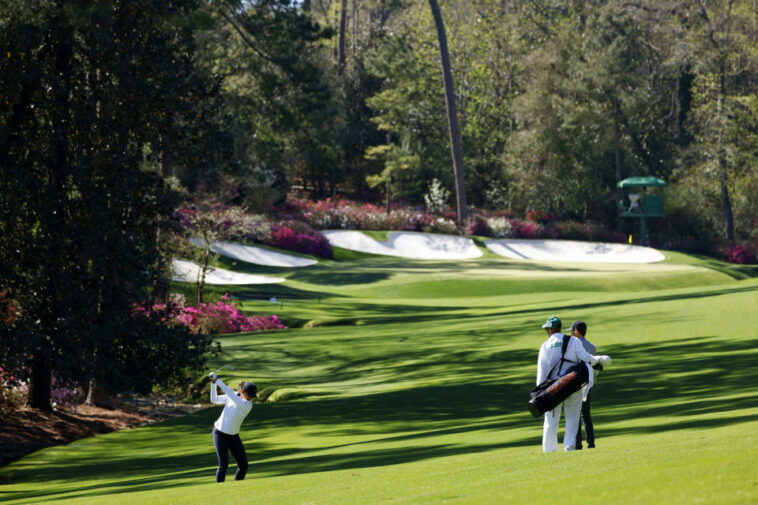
551,392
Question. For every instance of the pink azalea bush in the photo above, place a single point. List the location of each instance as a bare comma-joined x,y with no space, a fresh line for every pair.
294,226
743,254
526,229
346,214
308,242
222,316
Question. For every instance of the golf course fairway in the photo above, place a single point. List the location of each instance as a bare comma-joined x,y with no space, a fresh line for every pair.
405,382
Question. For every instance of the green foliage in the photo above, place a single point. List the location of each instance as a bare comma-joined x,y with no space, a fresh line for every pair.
280,104
720,164
91,94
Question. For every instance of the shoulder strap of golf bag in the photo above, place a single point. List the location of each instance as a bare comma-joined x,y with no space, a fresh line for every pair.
564,347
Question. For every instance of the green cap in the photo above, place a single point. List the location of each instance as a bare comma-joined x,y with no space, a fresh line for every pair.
552,322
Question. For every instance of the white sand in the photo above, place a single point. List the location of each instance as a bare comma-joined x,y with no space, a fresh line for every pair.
571,250
186,271
426,246
257,255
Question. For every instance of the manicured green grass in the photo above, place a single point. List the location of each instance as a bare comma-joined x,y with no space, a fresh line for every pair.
412,386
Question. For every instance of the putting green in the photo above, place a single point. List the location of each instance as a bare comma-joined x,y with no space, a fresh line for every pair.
411,387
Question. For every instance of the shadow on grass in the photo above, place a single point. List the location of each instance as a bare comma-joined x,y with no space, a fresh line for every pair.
662,386
387,314
705,293
389,416
675,378
733,270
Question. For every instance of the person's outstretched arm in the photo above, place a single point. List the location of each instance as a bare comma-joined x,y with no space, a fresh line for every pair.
583,355
215,397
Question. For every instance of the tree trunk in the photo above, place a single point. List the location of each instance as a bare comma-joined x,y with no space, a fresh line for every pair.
341,48
39,387
200,286
452,117
161,285
723,164
388,191
726,203
97,395
636,141
619,191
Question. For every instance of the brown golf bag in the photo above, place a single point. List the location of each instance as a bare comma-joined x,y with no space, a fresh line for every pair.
551,392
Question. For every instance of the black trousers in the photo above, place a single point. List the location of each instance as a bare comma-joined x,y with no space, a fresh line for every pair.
225,444
586,420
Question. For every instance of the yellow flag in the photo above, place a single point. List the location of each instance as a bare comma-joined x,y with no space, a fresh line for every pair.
630,238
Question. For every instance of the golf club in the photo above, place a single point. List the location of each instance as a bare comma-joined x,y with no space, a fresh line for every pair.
214,374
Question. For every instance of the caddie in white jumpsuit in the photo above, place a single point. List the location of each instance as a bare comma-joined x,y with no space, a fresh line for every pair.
550,355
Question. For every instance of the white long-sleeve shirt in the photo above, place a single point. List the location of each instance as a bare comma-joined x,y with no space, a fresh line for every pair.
550,354
235,408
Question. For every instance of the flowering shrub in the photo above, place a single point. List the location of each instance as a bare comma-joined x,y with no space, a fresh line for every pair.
346,214
309,242
13,392
437,197
9,309
540,216
573,230
223,221
500,227
525,229
441,225
478,226
743,254
65,395
208,318
294,226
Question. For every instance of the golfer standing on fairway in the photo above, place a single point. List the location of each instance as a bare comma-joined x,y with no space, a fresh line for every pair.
226,429
549,357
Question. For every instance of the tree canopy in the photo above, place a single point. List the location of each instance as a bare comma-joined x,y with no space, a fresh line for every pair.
112,111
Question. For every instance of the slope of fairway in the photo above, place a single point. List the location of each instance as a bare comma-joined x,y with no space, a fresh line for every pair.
417,395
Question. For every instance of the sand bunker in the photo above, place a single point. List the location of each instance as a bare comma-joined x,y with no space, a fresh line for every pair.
571,250
425,246
257,255
186,271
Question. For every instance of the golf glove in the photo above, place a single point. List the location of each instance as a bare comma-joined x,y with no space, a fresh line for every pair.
604,360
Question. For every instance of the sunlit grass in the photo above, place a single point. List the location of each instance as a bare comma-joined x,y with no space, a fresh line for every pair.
416,394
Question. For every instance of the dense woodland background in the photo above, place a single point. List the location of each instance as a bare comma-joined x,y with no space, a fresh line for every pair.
114,112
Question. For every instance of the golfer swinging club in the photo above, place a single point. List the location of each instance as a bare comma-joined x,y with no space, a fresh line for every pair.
226,429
